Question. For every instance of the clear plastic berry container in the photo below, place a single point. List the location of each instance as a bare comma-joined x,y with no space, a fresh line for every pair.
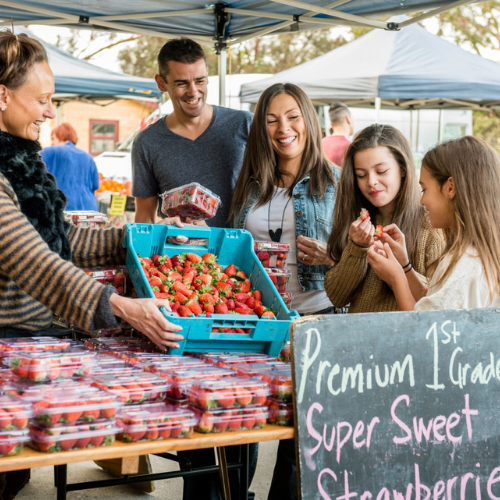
14,413
235,392
86,218
230,359
12,442
190,200
183,378
287,298
30,392
45,366
285,353
65,437
33,344
111,276
150,422
262,371
165,364
280,278
134,389
225,420
280,413
281,384
271,253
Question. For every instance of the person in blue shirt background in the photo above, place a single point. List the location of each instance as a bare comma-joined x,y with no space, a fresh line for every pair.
74,169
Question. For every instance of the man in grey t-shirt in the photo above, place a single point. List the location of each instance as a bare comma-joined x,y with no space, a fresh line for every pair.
196,143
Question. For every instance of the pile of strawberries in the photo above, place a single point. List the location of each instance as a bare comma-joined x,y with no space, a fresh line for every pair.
198,285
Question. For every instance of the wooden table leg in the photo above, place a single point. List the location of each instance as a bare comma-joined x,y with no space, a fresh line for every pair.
224,476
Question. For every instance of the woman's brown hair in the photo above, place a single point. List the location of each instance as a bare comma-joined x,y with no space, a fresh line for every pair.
260,163
474,167
18,53
408,213
65,132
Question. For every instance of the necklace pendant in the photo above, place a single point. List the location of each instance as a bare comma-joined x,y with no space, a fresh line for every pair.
275,235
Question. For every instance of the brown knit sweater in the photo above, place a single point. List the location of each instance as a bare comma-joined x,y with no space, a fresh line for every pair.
35,282
352,281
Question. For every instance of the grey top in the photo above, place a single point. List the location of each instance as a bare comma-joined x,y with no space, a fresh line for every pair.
163,160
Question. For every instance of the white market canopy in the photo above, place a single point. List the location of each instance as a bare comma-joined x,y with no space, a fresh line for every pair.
407,69
222,24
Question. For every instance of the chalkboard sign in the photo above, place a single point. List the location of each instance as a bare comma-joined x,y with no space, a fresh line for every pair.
398,405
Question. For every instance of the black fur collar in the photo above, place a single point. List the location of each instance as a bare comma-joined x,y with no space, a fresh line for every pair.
36,189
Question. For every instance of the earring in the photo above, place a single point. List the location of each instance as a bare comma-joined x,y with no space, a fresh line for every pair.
3,108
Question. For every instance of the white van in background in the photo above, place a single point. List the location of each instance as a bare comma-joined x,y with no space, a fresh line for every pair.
117,165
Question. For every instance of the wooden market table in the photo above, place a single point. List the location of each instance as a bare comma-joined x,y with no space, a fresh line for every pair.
29,458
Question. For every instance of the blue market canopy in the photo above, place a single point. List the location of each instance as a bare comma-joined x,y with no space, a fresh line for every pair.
78,79
222,24
407,69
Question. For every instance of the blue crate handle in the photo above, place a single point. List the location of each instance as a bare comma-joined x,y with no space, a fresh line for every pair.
189,231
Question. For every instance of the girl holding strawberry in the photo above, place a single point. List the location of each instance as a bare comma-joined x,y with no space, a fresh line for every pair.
286,192
460,182
378,176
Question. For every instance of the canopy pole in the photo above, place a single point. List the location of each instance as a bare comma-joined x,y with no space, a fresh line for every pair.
440,129
378,103
418,130
411,129
222,67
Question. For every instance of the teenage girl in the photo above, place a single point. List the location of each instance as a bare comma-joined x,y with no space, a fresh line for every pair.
460,182
379,176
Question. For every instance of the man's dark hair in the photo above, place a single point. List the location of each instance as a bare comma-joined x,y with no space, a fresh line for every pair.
183,50
337,112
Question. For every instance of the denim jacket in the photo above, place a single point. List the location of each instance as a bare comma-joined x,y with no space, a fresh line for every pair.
313,218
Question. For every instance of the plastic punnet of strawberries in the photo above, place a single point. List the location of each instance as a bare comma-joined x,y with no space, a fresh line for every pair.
199,285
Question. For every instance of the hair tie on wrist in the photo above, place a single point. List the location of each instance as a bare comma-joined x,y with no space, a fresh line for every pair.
409,269
409,264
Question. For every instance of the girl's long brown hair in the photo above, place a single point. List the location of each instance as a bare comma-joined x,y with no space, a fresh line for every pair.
408,213
474,167
260,163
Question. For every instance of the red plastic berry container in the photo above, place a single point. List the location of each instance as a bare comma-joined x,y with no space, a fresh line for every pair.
280,278
279,413
272,254
11,442
65,437
14,413
191,200
150,422
235,392
134,389
183,378
42,367
224,420
86,404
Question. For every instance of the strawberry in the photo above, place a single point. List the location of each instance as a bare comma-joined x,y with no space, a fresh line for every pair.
180,298
230,304
5,419
235,423
204,279
174,276
250,303
37,373
260,418
222,422
152,432
248,420
206,422
241,305
243,396
209,258
175,306
194,307
379,231
196,259
263,255
182,288
19,417
259,310
268,315
221,308
224,289
242,310
164,429
364,214
70,441
241,274
241,297
207,298
177,426
208,308
226,398
155,281
230,270
184,312
108,408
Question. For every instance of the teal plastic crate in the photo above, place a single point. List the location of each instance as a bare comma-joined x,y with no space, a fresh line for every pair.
232,246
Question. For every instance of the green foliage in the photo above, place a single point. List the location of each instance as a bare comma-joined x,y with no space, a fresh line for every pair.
486,124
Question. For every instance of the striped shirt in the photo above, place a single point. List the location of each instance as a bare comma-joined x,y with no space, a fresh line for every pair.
35,282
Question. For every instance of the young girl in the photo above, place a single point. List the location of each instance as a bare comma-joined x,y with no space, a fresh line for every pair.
460,183
379,176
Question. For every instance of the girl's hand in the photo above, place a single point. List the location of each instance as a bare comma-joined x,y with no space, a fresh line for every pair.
312,252
361,232
396,240
144,315
171,221
385,264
